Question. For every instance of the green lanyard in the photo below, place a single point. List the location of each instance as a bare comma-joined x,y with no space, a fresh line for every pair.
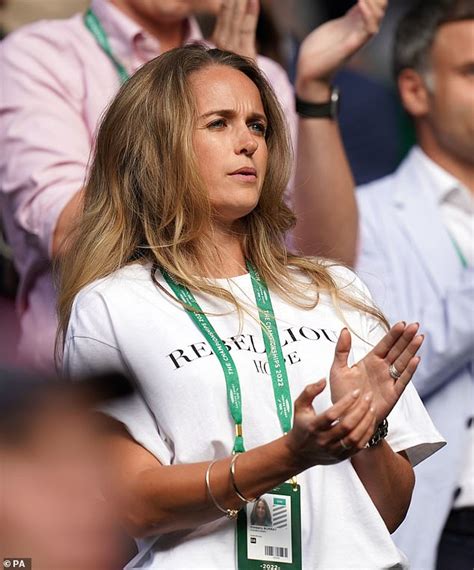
462,257
93,24
281,388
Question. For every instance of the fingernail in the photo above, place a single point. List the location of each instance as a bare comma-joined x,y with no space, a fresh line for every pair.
355,393
372,410
368,397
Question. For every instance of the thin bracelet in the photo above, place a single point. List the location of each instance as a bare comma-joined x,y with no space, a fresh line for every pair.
234,484
229,513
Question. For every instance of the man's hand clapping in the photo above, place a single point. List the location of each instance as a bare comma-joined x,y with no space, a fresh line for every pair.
236,26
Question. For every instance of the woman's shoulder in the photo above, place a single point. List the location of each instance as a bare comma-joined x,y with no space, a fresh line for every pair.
343,276
118,285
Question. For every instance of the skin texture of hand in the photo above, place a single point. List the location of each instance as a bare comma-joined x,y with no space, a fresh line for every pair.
315,439
371,374
329,46
236,25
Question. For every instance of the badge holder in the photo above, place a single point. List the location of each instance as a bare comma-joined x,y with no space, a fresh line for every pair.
270,538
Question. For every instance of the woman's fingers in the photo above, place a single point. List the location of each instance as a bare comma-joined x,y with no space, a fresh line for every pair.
351,420
330,417
364,430
343,348
351,432
355,422
402,343
305,399
401,362
383,347
368,434
407,374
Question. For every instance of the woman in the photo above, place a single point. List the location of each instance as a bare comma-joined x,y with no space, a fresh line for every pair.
261,514
183,231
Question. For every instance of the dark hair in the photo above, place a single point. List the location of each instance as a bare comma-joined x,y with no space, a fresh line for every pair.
268,516
417,29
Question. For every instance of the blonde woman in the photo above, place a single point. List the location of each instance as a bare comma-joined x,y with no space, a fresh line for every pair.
178,275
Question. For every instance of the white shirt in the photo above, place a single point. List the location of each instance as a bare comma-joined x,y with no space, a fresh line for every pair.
456,203
180,412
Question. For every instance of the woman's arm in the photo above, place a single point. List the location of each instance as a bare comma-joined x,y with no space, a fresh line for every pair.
152,498
388,478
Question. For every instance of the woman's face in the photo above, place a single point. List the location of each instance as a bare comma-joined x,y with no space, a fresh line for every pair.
260,511
229,140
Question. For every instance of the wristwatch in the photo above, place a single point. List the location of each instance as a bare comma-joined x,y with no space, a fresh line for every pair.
327,110
379,434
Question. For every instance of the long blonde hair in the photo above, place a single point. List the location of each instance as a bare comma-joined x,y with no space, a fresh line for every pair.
144,201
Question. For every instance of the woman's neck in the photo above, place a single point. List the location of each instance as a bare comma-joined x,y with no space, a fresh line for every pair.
229,260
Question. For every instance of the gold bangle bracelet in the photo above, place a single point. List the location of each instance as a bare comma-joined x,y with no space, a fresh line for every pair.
234,484
229,513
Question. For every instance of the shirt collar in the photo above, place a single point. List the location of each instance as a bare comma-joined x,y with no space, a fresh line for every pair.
124,34
445,186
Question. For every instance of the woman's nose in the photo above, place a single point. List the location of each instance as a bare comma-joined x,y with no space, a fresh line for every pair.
246,143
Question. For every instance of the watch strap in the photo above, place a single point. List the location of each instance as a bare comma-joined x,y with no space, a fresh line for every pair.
379,434
326,110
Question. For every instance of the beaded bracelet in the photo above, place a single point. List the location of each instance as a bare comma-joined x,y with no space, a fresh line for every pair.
234,484
229,513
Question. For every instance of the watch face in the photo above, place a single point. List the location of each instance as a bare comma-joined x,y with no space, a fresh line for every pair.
327,110
334,102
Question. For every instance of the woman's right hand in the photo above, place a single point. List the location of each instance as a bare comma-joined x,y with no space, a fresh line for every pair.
325,439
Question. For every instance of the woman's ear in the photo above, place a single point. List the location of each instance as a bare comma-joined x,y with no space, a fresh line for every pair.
414,92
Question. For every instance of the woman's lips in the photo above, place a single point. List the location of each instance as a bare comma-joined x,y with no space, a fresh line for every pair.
244,174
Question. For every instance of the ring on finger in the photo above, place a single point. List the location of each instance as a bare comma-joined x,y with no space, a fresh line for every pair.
394,373
343,445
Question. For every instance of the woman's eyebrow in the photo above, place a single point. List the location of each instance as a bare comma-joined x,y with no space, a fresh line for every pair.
230,113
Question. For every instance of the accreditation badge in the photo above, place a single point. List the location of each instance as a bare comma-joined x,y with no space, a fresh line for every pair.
269,531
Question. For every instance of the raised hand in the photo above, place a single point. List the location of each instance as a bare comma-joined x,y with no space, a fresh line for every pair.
236,25
325,439
397,348
329,46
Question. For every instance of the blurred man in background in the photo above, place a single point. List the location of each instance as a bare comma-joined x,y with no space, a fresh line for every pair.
417,255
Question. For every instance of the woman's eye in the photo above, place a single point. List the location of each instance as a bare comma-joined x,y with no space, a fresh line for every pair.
217,123
258,127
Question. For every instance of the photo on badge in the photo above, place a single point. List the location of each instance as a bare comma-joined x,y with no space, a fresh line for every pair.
268,531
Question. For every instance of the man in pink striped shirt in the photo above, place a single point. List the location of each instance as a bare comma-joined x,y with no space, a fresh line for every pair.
57,81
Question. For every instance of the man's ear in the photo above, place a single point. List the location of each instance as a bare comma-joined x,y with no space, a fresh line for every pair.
413,92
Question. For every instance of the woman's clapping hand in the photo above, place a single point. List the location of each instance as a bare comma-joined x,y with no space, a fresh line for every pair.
397,348
334,435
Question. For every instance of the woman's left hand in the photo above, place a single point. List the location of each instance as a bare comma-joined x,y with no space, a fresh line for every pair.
397,348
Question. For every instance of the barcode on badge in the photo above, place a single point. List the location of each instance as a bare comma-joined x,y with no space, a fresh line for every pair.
276,551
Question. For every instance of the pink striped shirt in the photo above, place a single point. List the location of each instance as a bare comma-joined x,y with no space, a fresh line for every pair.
56,83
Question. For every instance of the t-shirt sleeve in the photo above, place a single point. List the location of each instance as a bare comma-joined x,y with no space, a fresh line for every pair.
410,428
86,355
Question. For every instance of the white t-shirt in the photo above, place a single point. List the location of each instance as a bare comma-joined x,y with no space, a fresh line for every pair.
180,412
